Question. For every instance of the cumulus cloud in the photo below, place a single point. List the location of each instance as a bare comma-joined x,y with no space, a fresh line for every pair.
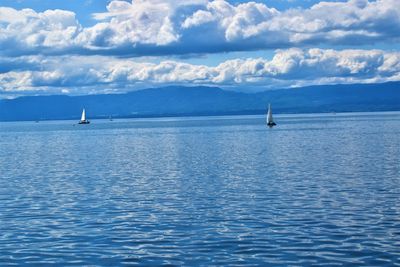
155,27
142,22
26,31
354,22
288,68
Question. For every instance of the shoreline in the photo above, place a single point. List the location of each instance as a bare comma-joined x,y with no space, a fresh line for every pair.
216,116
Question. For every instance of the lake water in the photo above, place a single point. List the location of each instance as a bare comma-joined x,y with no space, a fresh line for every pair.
315,190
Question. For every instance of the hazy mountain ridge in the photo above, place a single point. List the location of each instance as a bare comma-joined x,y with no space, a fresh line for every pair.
180,101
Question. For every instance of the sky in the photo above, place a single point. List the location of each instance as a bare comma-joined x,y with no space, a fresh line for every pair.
80,47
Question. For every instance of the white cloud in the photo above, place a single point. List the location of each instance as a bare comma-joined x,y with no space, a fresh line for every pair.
145,22
288,68
25,31
154,27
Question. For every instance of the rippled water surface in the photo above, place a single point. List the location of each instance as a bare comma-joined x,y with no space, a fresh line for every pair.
315,190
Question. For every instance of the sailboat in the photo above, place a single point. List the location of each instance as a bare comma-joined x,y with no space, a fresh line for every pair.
270,121
83,118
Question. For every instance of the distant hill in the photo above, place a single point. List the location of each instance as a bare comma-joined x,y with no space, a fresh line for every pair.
181,101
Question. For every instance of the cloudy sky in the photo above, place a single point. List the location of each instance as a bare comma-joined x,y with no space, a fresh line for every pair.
103,46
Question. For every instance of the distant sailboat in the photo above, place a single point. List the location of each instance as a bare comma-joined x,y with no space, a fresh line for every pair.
83,118
270,121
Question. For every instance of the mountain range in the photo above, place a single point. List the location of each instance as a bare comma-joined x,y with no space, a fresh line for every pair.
200,100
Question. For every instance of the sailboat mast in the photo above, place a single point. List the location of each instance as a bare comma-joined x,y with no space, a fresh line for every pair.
270,121
269,116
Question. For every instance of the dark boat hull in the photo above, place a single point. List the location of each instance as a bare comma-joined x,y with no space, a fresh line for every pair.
84,122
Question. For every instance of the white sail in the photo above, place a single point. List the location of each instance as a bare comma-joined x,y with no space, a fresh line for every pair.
83,118
269,115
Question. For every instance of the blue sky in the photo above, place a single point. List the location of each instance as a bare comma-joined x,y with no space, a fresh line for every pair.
106,46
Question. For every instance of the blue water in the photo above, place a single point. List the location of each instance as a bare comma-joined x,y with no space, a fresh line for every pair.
315,190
